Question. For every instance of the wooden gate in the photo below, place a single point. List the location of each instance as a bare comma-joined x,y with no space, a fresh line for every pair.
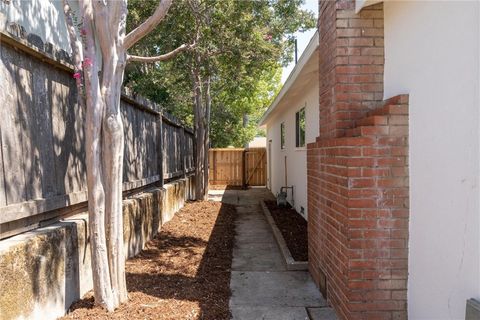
238,166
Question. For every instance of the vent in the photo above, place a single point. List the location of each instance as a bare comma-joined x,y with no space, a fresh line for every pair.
473,310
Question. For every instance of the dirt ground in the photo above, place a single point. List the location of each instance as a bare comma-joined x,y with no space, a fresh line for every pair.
293,228
184,273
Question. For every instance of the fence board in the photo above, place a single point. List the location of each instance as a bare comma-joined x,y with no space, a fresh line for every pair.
130,161
190,151
161,149
42,116
237,167
25,107
74,140
60,123
42,137
15,188
128,136
173,157
138,146
256,166
226,167
4,92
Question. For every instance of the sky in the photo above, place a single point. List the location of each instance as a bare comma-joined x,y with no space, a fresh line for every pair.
302,38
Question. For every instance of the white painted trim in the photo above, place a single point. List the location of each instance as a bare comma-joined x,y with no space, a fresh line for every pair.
360,4
478,100
309,50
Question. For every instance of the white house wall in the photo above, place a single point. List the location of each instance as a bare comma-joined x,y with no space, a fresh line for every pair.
432,53
40,17
296,157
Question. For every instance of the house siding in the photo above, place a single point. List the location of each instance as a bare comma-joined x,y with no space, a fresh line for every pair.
41,18
296,157
432,53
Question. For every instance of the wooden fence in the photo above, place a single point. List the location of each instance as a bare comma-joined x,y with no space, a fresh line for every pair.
42,134
179,149
238,166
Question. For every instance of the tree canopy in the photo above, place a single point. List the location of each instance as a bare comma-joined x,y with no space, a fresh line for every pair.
240,45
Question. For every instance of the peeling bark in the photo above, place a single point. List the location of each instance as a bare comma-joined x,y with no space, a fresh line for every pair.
202,106
199,116
110,28
96,191
103,33
206,141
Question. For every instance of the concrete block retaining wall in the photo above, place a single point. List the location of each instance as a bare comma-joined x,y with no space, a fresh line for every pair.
42,272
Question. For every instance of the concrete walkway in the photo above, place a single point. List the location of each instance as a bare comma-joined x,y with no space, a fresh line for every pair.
262,288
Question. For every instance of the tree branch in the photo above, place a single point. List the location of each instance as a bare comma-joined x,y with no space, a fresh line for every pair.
74,41
76,47
148,25
163,57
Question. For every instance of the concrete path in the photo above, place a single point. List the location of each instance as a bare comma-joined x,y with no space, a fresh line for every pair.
262,288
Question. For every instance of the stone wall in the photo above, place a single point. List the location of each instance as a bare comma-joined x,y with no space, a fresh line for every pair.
42,272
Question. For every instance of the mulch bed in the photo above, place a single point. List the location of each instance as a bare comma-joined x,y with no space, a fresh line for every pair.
293,228
184,273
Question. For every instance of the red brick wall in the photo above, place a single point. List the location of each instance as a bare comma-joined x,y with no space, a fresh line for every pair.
358,171
351,63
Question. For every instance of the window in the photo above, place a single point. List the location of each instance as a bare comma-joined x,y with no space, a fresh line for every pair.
282,135
300,128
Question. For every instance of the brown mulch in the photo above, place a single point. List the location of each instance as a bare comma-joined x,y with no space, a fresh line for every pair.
184,273
293,228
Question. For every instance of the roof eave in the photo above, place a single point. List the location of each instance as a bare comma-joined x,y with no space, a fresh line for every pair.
360,4
307,53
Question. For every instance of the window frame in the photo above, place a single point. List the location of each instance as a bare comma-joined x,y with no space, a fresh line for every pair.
299,143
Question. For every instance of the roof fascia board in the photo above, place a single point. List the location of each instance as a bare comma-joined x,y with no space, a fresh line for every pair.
360,4
307,53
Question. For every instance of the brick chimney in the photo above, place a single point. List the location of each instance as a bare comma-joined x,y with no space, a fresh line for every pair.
357,171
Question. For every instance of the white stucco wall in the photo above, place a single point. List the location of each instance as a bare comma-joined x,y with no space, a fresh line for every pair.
43,18
296,157
432,53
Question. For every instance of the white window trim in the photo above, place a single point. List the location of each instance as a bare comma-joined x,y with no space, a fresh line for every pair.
295,123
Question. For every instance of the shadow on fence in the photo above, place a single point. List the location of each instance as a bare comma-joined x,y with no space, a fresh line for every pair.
42,135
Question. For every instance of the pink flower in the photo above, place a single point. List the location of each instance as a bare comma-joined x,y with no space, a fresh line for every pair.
77,75
83,32
268,37
87,62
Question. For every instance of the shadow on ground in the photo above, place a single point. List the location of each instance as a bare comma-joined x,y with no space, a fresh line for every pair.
184,273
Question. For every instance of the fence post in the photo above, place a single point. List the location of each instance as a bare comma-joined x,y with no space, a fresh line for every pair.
183,142
214,161
244,173
161,148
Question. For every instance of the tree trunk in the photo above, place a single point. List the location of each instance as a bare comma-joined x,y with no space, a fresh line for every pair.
199,115
93,140
208,103
245,124
110,27
103,34
113,140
